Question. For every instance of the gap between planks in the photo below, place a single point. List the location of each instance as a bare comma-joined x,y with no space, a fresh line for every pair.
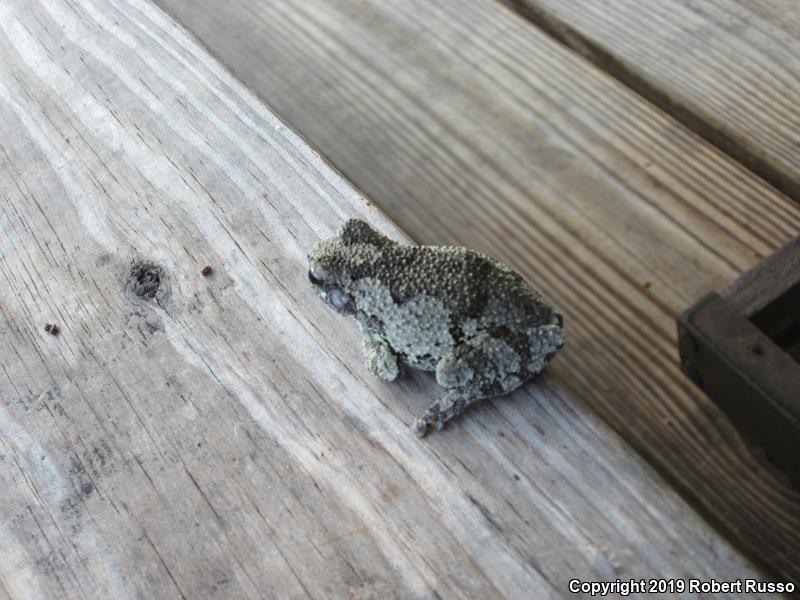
692,114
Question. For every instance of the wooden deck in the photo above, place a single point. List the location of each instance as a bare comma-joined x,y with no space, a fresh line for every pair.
224,439
728,69
468,125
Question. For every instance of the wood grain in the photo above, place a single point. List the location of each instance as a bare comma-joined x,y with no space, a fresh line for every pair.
469,126
728,69
223,439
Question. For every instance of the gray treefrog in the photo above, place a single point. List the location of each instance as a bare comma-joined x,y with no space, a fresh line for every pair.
476,323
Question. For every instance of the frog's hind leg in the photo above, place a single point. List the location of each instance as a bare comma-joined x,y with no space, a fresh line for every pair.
488,365
450,405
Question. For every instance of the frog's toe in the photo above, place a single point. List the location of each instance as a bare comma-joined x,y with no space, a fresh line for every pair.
421,428
386,371
428,421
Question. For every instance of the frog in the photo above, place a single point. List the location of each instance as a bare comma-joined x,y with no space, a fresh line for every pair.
459,313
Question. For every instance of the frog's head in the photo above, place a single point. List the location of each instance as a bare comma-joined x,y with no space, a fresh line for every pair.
334,264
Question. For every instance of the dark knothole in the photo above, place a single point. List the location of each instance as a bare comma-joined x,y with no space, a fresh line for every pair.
145,280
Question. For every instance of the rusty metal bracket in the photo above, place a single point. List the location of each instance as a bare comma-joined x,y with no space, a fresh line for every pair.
742,348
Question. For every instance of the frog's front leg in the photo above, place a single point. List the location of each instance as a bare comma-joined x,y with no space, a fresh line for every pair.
379,358
489,365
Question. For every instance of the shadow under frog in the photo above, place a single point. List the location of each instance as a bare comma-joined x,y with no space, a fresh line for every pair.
470,319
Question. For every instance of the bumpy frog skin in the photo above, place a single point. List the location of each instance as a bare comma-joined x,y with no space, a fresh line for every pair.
469,318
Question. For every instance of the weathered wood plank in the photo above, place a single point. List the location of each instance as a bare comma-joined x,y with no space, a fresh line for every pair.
728,69
469,126
223,440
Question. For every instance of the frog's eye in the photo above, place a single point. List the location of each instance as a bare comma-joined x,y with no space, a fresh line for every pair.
338,298
313,278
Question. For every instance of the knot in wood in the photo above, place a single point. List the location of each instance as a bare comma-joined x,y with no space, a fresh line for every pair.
145,280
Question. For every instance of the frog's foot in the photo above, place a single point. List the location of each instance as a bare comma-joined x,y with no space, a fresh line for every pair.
451,405
379,358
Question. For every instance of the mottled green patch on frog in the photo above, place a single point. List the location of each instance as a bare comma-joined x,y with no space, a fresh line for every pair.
473,320
417,328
